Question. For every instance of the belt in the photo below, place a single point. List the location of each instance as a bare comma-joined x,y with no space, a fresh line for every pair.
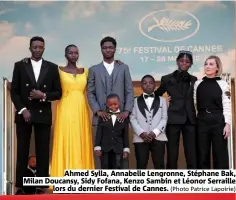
210,110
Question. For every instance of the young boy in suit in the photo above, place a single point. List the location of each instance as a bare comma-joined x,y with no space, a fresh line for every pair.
112,137
148,119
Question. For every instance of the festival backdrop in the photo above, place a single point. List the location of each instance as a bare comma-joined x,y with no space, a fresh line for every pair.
149,34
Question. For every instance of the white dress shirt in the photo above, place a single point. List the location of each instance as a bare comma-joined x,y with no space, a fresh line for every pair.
36,69
149,102
113,118
109,67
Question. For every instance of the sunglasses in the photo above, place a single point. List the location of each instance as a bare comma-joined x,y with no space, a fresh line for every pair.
186,52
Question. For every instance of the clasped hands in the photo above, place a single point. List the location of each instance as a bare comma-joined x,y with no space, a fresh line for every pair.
148,137
34,94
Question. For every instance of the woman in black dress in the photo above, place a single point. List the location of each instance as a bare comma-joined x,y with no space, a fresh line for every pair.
213,100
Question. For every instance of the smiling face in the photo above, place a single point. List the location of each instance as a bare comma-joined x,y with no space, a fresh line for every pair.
113,104
184,62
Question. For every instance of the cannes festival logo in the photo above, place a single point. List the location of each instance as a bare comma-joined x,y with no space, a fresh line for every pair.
169,25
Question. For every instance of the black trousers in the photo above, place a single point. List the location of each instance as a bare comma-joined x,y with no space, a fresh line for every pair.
42,142
189,141
157,149
210,134
111,160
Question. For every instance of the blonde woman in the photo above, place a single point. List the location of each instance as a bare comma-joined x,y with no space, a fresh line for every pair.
213,100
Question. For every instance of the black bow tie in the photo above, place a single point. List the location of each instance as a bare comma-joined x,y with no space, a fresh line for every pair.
114,113
149,95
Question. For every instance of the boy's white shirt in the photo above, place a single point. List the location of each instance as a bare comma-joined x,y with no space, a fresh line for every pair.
149,102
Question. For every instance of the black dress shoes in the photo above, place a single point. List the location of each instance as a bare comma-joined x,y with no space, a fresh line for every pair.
20,192
40,191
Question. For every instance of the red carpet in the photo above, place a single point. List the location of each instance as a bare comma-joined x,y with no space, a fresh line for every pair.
123,197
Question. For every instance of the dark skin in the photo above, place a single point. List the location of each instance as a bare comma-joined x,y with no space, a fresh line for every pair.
72,56
32,161
183,64
113,104
148,86
36,48
108,51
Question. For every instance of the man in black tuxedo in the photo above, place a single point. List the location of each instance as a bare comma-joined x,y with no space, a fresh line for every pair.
181,111
34,85
112,136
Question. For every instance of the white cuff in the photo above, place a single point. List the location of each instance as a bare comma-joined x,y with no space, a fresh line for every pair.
228,122
21,111
126,150
156,131
97,148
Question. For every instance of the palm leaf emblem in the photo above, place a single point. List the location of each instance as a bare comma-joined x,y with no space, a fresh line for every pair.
168,25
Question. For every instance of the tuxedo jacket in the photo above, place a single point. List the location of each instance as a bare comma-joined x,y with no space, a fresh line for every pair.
181,106
23,82
112,137
144,120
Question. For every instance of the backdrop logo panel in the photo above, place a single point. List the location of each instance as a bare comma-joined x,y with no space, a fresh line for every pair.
169,25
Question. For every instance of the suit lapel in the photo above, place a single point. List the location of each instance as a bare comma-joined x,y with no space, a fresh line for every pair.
191,85
102,73
116,123
43,72
142,105
115,72
155,105
30,72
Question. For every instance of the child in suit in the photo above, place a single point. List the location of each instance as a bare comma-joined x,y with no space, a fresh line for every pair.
112,136
148,120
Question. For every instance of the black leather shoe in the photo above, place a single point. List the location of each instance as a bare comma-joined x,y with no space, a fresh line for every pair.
20,192
40,191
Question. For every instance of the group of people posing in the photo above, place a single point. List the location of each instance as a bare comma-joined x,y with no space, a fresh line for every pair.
103,143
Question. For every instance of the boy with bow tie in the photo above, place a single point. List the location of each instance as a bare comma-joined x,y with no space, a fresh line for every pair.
112,137
148,119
